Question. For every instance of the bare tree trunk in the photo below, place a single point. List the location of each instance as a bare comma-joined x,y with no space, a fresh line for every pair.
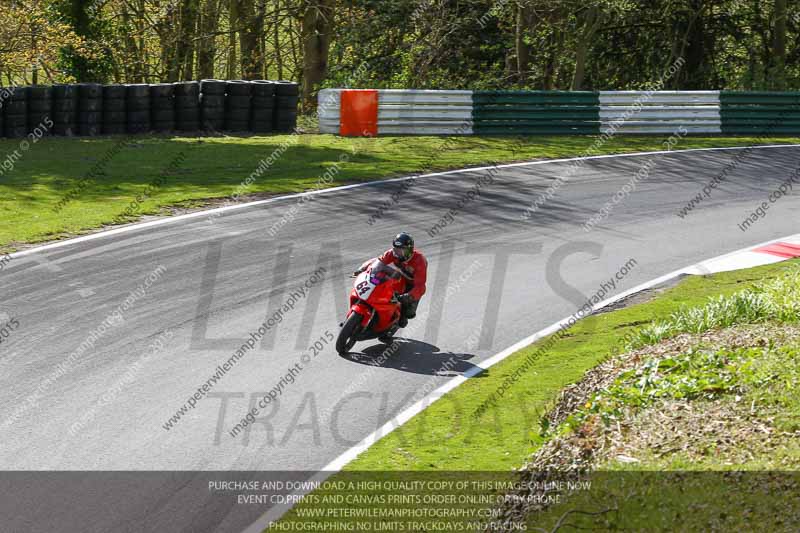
523,49
591,21
316,32
696,48
250,31
142,68
206,47
295,50
778,73
131,49
170,29
259,68
550,63
34,66
276,30
233,20
188,29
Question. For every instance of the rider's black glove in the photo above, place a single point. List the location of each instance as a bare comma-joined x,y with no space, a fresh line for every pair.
404,298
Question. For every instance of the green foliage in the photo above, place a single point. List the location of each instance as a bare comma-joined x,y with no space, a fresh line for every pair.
87,20
775,381
777,300
443,44
631,43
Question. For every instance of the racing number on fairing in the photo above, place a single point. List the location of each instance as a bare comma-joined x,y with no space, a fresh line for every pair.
363,287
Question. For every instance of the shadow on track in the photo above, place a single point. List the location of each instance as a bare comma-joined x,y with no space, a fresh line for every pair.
418,358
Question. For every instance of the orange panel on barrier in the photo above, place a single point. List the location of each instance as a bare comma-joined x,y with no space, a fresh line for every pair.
358,113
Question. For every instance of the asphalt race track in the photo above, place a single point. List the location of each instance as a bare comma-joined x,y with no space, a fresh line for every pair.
220,277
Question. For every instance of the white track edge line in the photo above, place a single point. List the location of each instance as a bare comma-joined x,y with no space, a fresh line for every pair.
337,464
167,220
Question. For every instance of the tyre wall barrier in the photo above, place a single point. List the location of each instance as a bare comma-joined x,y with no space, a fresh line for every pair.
237,106
65,110
212,104
89,109
15,113
412,112
40,109
162,107
285,109
115,116
137,108
262,106
186,96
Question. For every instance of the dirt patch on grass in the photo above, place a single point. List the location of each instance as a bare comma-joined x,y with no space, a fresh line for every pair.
720,432
726,432
605,373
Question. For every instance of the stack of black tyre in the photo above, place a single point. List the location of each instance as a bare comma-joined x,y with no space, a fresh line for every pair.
162,107
187,105
137,108
40,109
212,104
262,106
286,96
115,114
237,105
15,112
65,110
90,109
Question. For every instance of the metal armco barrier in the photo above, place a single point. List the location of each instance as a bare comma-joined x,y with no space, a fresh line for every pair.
403,112
417,112
89,109
535,112
760,112
660,111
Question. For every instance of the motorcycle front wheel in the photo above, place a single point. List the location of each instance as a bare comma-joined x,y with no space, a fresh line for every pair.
347,335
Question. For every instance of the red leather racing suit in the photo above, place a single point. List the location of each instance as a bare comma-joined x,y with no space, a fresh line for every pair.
416,267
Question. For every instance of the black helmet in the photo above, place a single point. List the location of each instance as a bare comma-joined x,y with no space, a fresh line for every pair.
403,247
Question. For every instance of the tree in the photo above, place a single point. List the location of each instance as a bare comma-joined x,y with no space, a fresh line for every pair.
206,41
778,70
316,33
31,43
251,32
589,23
524,21
92,62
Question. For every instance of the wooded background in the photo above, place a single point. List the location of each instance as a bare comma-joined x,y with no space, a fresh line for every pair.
443,44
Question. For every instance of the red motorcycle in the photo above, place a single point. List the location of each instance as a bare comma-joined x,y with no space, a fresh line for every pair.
374,309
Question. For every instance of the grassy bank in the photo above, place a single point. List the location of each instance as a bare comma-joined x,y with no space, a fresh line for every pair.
447,436
729,340
699,427
104,178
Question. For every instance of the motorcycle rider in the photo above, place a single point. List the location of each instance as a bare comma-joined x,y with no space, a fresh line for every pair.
413,263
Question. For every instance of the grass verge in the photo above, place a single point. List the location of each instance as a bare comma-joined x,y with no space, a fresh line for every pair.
699,429
446,439
167,173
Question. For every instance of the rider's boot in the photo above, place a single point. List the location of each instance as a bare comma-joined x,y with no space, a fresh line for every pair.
388,336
